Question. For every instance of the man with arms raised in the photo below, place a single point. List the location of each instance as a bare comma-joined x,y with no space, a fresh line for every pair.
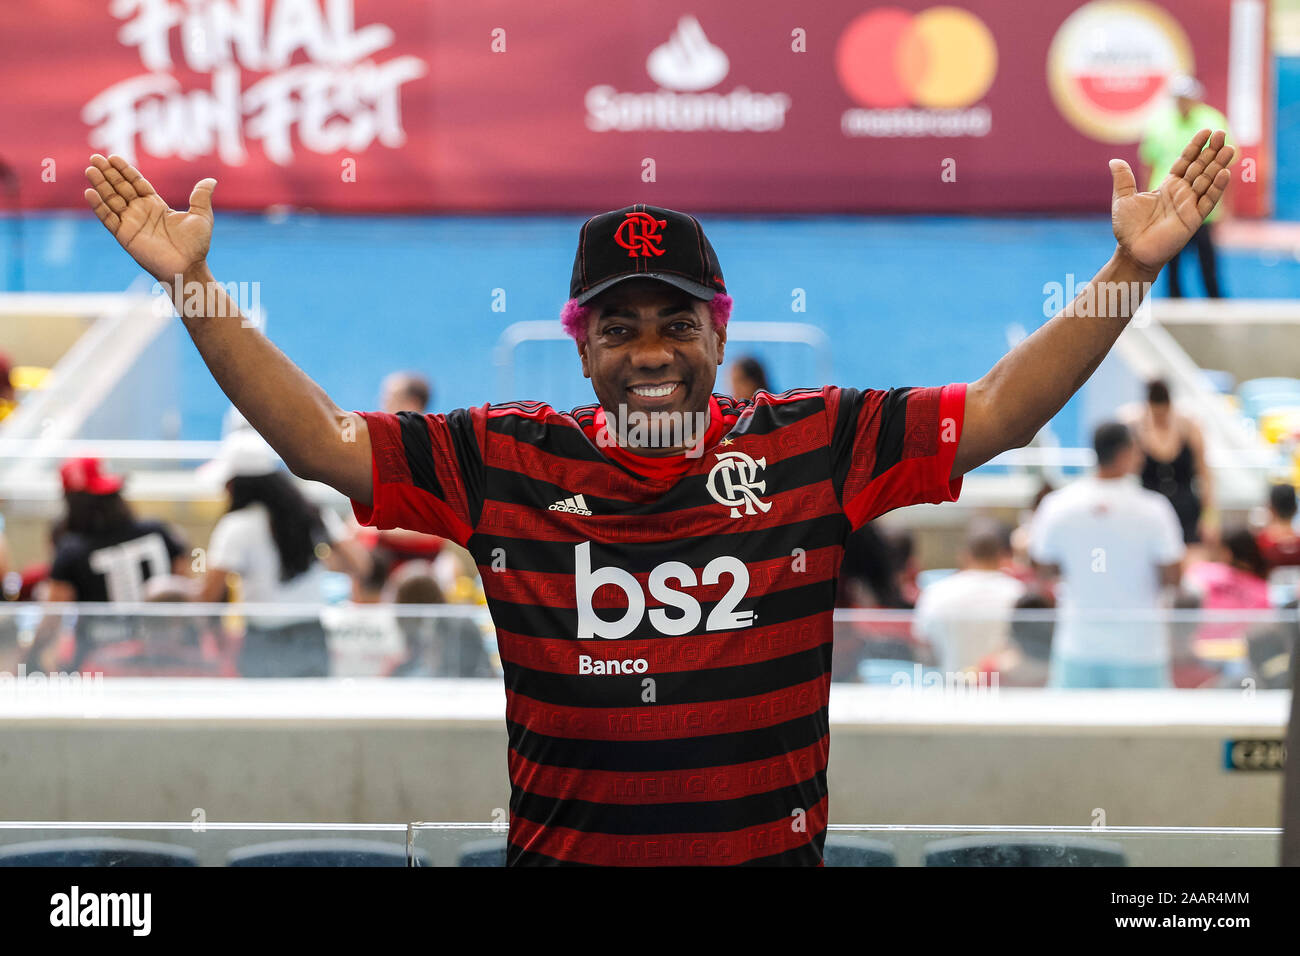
663,613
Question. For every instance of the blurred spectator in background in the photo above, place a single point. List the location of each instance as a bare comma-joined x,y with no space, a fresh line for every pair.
365,639
8,399
1115,545
964,617
368,588
1162,145
1020,540
747,377
1278,542
869,571
902,545
280,545
10,585
1173,461
4,561
435,646
167,645
1024,661
102,553
405,392
1235,578
1013,565
397,546
869,578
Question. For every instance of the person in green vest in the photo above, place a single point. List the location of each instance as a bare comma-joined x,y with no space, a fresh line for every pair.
1161,145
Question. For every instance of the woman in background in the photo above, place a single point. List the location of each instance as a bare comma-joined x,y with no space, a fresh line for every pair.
1174,461
1237,579
281,546
1278,541
103,553
747,377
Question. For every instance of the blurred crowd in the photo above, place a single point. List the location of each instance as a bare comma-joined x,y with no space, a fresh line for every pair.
1121,579
273,548
1073,594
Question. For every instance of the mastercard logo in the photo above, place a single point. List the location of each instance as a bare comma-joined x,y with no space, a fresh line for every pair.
940,58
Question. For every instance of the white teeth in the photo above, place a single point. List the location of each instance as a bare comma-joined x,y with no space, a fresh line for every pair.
657,391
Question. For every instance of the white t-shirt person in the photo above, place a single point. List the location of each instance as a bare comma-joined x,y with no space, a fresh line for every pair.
1110,537
967,615
242,543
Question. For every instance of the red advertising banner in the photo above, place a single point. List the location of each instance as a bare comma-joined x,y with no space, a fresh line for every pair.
397,105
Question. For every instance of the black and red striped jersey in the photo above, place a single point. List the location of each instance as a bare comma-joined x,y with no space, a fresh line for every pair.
664,623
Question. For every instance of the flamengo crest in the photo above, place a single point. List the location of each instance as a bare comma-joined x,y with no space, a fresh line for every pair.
737,474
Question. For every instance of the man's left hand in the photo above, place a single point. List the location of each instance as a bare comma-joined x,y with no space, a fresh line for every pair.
1151,227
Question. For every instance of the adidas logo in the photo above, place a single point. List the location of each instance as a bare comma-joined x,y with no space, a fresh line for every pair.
576,505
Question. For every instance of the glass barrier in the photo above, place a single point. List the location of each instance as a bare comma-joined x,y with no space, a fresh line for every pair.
201,843
854,845
247,640
1206,648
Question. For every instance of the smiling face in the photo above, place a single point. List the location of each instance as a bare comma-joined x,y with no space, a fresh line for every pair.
651,348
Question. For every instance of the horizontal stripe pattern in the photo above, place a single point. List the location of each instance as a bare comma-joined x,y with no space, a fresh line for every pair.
708,746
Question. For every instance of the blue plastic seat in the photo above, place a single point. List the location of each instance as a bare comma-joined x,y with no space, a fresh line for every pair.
857,851
332,852
1259,395
96,851
1062,851
483,853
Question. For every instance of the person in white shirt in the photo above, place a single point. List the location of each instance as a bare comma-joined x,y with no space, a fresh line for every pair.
281,547
966,616
1115,545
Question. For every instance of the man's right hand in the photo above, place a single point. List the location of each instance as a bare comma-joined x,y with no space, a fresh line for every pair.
165,243
316,439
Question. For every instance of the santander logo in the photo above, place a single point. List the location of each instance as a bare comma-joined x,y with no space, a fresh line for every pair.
685,68
688,61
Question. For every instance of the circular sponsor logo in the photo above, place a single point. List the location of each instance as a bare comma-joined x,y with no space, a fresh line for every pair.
940,58
1108,65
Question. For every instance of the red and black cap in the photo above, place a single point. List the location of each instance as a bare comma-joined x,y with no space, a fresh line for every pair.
645,242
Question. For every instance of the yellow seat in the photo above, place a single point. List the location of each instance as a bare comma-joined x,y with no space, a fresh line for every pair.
28,377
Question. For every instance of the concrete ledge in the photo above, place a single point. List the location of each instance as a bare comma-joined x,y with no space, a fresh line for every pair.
392,751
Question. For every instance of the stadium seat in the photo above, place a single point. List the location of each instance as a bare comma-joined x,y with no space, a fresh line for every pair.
1260,395
323,853
981,851
483,853
857,851
96,851
1219,381
886,671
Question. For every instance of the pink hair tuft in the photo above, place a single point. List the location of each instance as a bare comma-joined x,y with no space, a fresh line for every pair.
574,319
574,316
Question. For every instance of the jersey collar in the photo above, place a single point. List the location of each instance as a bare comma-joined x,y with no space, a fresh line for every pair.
657,467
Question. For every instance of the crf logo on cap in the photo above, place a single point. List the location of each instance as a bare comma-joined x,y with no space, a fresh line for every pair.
639,234
738,475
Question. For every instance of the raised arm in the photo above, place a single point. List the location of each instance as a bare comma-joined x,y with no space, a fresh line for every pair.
316,439
1020,394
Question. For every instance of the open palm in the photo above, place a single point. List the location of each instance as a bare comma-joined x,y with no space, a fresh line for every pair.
163,241
1153,226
